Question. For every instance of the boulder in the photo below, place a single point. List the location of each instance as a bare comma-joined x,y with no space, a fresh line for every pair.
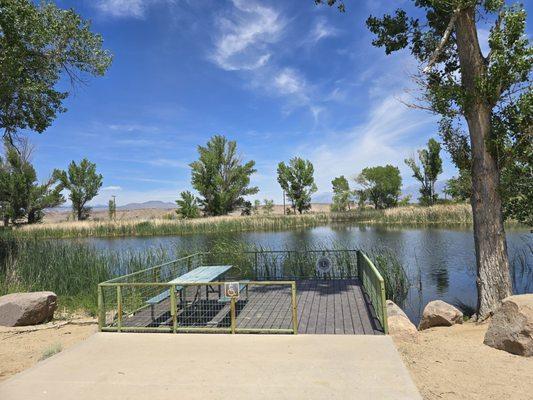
511,326
20,309
399,324
440,313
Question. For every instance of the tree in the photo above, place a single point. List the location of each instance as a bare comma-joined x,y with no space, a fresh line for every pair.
21,196
460,83
256,207
83,183
427,174
297,180
38,45
188,206
112,209
380,185
341,194
459,188
220,176
268,206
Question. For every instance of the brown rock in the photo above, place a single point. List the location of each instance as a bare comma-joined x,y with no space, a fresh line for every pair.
511,327
20,309
440,313
399,324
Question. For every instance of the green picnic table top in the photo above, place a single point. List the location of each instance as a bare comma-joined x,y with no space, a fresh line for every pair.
202,274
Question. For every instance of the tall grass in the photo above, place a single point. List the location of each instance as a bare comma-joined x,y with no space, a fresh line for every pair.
71,270
438,214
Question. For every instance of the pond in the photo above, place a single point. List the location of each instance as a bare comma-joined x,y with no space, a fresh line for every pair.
440,262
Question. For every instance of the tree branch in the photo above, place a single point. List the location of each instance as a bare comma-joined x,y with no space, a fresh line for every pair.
442,42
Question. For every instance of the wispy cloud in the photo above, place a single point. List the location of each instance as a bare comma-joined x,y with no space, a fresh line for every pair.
165,162
244,35
321,30
107,188
133,128
122,8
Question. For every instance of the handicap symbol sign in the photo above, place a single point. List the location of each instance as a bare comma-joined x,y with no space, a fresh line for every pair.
231,289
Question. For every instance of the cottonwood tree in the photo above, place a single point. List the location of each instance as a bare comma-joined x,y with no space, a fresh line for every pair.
188,205
221,177
380,185
296,179
428,172
83,183
341,194
21,195
39,45
461,83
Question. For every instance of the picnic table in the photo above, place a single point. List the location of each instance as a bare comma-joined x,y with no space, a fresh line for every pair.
202,274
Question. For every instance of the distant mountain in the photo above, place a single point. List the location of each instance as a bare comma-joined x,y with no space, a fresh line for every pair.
148,204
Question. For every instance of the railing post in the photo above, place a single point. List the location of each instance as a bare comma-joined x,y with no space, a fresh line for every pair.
233,315
294,309
384,307
173,308
119,308
101,309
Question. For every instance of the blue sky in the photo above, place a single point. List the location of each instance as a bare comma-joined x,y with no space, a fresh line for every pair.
283,78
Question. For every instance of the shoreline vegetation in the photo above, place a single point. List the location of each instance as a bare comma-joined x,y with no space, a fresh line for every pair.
449,214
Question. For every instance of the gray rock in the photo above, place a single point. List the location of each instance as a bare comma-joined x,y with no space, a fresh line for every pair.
440,313
511,326
20,309
399,324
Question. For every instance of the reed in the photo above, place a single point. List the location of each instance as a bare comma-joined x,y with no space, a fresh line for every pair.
410,215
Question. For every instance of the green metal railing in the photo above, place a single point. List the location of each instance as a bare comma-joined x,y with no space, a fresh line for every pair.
127,295
374,286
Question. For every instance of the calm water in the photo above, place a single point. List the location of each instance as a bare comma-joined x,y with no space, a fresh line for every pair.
442,260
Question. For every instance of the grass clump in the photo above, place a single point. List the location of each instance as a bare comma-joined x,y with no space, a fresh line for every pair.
51,350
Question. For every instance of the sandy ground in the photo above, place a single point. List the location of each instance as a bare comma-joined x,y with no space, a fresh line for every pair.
446,363
21,348
453,363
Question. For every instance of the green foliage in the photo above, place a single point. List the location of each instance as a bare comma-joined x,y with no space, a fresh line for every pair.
268,206
188,206
21,196
459,188
380,185
297,180
220,176
427,174
341,194
112,209
404,201
38,45
83,183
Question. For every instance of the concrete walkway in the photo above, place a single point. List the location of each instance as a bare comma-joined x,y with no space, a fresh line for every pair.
204,366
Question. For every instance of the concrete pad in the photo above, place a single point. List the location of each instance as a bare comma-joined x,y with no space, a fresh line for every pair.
205,366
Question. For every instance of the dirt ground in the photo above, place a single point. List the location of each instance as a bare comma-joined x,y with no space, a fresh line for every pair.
453,363
21,348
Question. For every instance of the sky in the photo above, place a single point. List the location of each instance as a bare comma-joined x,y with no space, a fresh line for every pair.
282,78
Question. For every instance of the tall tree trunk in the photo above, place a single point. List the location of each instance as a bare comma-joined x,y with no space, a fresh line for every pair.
493,277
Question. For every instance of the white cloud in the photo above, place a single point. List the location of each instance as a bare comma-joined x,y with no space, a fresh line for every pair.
122,8
384,138
165,162
243,37
289,82
111,188
321,31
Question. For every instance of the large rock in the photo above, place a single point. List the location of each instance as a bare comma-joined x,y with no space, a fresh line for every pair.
399,324
20,309
440,313
511,326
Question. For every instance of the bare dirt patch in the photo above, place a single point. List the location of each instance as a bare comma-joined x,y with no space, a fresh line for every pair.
453,363
21,348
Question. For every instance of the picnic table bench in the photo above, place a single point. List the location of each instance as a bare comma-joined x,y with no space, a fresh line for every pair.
202,274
